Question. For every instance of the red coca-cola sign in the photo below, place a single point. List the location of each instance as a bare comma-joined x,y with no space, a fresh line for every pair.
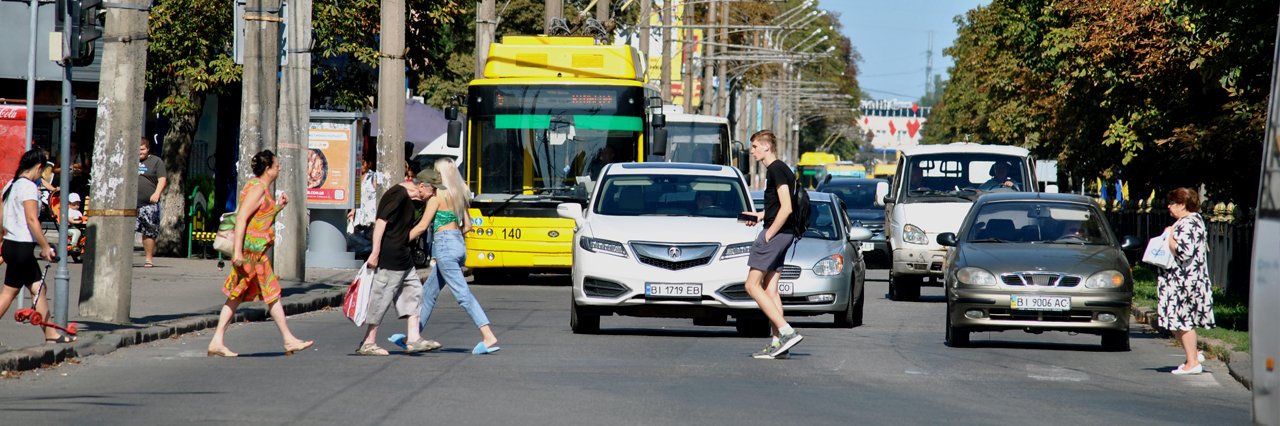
8,112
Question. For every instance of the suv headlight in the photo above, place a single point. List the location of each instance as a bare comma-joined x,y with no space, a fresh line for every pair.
736,250
1105,279
914,235
975,276
596,245
832,265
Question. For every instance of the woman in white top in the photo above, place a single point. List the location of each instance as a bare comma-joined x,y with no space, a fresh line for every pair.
22,233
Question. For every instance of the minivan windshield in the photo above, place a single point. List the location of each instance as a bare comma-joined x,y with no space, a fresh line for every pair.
962,175
1038,222
671,195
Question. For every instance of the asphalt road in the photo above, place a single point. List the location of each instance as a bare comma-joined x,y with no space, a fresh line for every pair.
894,369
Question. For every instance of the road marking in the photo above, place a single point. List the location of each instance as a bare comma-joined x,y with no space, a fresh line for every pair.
1053,373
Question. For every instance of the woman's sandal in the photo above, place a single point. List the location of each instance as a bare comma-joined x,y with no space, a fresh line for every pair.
289,349
62,338
222,352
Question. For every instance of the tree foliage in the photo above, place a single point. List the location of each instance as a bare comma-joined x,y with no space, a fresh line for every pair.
1118,88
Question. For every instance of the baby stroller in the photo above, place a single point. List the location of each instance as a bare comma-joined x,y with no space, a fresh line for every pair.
76,236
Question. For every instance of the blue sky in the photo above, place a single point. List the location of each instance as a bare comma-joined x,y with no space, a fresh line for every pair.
893,35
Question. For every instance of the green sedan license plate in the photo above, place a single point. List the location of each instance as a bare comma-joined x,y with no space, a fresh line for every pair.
1039,303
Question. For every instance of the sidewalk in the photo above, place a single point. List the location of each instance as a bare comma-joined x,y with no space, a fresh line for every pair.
176,296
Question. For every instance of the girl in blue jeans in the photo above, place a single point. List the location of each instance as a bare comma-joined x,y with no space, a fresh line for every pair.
447,214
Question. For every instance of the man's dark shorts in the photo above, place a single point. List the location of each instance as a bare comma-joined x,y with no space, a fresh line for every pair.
768,256
149,220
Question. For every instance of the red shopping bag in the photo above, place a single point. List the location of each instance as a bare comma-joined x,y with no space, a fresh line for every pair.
356,302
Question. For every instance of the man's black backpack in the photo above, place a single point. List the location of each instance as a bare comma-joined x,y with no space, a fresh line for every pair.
800,210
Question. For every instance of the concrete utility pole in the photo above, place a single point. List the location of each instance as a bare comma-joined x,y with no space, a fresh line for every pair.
391,94
486,25
686,70
554,9
667,11
260,91
708,51
295,124
602,10
107,276
646,13
722,69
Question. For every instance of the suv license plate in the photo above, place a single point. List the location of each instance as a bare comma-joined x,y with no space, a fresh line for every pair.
1040,303
672,290
786,288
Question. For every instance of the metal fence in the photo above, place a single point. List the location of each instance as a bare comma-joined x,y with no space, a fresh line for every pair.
1230,239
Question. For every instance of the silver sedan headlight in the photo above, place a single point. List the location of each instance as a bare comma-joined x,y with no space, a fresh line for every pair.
596,245
914,235
831,265
975,276
736,250
1105,279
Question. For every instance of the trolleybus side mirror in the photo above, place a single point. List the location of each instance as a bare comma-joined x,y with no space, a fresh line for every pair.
743,157
454,138
658,121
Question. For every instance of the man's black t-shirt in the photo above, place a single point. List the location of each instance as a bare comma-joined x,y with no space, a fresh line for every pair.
397,209
777,174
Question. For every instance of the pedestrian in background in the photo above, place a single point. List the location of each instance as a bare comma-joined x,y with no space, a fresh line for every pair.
251,275
362,217
769,249
151,182
395,280
1184,292
447,215
21,225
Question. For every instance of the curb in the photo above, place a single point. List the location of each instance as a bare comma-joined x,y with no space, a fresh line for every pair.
1239,364
102,343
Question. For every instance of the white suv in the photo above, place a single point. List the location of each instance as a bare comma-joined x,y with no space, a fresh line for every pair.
661,240
932,191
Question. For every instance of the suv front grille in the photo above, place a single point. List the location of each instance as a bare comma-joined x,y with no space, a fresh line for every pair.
1041,279
790,272
674,266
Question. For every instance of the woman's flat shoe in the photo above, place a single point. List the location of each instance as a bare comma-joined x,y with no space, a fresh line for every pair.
300,346
1182,370
224,352
481,349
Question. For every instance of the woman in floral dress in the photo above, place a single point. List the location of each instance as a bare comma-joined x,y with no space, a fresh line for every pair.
1186,296
251,276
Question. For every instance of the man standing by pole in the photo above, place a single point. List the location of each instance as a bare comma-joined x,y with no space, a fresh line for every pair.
151,182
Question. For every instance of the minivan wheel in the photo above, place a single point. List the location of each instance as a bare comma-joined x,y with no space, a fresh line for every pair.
582,322
903,288
956,337
1115,341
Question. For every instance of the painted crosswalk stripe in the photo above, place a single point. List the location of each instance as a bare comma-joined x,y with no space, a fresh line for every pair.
1053,373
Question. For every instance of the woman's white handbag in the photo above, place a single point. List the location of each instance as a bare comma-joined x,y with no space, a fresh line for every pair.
1158,253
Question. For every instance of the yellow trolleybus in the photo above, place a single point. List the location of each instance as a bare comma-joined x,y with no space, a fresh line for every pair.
549,113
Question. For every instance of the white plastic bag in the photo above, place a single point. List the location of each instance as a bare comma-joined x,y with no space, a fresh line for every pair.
1158,253
355,304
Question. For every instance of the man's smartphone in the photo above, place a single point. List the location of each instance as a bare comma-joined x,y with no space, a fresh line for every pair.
747,217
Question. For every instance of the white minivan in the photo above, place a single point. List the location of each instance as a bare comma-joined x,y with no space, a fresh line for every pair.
932,191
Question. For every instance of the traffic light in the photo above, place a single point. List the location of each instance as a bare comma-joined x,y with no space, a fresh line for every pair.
84,27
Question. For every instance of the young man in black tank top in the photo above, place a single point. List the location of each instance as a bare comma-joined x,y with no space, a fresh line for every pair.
771,246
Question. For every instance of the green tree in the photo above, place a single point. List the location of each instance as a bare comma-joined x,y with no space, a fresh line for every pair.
188,58
1100,84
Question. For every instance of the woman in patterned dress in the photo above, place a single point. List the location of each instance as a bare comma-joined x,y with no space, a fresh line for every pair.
1186,297
251,276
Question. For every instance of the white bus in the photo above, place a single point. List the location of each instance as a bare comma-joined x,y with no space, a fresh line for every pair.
1265,289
